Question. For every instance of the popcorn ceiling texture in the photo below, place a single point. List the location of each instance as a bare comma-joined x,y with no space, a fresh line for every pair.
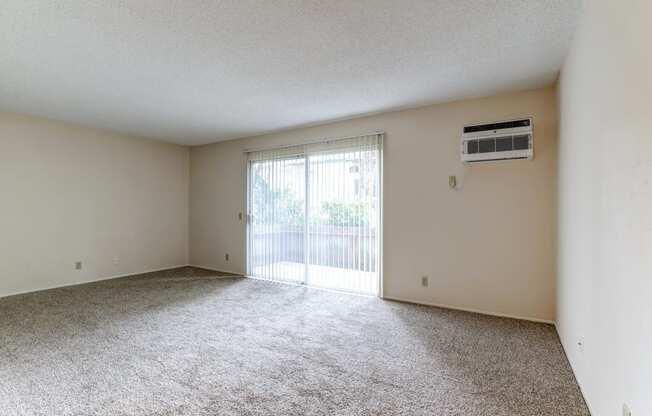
200,71
184,342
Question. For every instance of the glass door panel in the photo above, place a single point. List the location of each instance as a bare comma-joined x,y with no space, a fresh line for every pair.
277,219
343,221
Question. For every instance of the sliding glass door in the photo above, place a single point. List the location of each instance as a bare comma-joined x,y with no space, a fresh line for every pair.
314,214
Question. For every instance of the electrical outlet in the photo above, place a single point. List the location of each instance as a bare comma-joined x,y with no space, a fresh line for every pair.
116,260
240,216
580,345
78,265
424,281
626,411
226,257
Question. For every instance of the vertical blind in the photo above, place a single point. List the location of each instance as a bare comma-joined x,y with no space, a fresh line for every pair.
314,214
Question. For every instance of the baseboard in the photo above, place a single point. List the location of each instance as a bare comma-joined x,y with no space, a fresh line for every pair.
213,269
457,308
570,363
118,276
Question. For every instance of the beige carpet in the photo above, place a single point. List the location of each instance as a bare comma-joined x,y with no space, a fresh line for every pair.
185,342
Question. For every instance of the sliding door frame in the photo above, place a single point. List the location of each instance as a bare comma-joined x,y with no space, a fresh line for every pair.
381,198
247,216
306,225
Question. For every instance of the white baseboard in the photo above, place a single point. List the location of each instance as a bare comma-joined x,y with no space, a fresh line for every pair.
588,405
457,308
23,292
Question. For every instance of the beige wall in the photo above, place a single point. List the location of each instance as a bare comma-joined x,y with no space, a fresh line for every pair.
504,212
79,194
605,206
71,193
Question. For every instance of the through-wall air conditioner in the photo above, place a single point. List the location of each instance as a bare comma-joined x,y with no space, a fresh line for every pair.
505,140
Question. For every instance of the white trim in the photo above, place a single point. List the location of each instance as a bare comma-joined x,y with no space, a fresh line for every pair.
92,281
306,221
212,269
247,219
457,308
381,222
577,380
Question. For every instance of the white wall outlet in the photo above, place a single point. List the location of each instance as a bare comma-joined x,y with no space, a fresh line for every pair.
78,265
226,257
116,260
425,281
580,345
626,411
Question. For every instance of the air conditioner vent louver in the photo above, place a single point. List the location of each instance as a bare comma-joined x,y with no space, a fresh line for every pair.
522,142
498,141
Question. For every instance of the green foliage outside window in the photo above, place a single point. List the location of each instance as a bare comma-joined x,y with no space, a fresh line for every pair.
347,214
286,208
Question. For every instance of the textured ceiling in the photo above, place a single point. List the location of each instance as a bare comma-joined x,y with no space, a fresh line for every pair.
199,71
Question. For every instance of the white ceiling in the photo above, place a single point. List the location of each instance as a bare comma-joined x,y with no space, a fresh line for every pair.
200,71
